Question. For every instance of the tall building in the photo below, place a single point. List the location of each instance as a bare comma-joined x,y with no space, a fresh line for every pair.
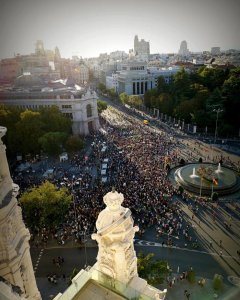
183,51
141,48
15,265
57,55
83,72
115,275
215,51
39,48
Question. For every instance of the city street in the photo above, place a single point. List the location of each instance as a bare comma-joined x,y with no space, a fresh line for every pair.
213,229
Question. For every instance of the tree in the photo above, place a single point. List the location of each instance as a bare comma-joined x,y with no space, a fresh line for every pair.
52,142
191,276
101,105
28,131
165,103
184,110
54,120
9,116
217,282
182,83
150,98
74,143
134,101
45,205
154,271
111,93
123,98
162,86
102,88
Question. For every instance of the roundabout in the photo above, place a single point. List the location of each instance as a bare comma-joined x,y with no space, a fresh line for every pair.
207,178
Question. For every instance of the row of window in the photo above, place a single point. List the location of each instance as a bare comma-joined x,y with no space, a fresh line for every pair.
66,106
35,106
138,87
137,68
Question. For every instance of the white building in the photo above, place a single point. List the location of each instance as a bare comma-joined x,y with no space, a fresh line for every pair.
112,82
135,78
167,73
82,109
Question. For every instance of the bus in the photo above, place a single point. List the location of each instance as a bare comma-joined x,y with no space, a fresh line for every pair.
145,122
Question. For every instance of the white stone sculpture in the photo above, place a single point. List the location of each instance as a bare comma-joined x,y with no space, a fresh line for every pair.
116,256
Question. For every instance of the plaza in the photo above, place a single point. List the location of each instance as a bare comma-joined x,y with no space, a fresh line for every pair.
183,230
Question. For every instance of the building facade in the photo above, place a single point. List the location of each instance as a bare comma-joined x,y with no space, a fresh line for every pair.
112,82
141,48
136,78
15,263
83,72
81,109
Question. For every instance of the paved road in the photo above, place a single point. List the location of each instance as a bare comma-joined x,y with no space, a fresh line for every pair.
206,260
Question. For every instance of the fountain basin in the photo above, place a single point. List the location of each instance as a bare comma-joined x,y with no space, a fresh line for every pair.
227,180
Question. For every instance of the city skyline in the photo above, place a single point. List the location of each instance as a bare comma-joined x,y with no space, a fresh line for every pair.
89,28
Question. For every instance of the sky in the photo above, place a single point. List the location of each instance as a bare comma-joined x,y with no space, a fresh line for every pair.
89,27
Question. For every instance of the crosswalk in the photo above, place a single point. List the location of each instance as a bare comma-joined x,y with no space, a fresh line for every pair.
74,169
38,260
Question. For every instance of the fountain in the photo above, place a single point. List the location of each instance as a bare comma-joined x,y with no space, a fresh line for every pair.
190,178
194,174
219,169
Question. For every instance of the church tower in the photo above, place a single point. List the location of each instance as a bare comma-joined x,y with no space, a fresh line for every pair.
15,260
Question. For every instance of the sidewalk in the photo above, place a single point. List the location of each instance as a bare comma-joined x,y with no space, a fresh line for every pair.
197,292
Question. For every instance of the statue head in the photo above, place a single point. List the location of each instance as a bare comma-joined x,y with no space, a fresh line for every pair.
113,200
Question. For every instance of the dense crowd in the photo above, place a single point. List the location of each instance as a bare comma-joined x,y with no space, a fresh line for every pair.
137,158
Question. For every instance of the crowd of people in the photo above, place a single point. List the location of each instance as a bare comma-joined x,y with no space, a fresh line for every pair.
137,158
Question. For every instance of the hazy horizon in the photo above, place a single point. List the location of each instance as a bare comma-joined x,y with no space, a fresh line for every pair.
88,28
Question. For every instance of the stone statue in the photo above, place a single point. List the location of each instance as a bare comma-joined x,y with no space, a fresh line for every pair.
115,234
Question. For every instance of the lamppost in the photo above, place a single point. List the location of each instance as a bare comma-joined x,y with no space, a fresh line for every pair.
85,249
218,110
74,206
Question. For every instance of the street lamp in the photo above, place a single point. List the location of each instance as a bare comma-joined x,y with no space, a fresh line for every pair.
85,249
217,111
74,205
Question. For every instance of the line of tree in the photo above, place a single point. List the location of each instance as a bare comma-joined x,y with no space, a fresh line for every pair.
192,97
30,132
111,93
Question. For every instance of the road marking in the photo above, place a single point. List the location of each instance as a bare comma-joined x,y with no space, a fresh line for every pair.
38,260
153,244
